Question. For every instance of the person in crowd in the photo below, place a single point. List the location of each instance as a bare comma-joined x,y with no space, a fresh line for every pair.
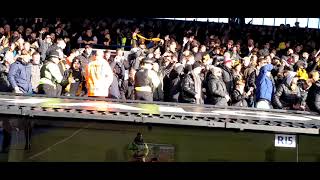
44,44
188,92
35,71
20,76
313,101
217,92
87,39
239,97
146,80
73,82
50,76
227,73
288,95
98,75
86,56
264,87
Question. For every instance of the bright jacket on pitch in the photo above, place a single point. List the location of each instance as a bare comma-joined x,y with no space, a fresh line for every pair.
99,77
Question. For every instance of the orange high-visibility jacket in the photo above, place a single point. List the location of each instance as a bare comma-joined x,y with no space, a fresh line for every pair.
99,77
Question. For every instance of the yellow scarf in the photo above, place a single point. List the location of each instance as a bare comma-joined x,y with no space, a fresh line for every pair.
140,36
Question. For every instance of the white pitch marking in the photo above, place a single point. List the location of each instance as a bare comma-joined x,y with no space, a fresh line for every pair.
59,142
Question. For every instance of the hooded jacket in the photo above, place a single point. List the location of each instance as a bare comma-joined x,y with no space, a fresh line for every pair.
20,76
285,96
264,84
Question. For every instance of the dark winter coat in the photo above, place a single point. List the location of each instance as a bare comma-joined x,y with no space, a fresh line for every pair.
216,91
20,76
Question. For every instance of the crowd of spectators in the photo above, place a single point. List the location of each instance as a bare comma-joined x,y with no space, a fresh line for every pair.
174,61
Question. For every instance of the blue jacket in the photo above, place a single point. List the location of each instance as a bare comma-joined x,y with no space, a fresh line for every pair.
264,84
20,75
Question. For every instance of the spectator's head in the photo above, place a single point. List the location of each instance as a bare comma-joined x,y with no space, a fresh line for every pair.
58,30
173,46
215,71
28,31
147,63
305,55
88,49
54,56
190,59
35,58
314,76
234,49
267,45
272,55
195,49
196,67
20,43
20,29
89,32
268,59
230,44
61,43
212,44
203,48
53,36
292,79
217,42
246,61
119,52
139,139
295,58
262,61
107,54
250,43
298,49
288,44
26,46
217,50
206,59
76,64
48,39
1,31
276,61
238,46
255,51
6,28
16,34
